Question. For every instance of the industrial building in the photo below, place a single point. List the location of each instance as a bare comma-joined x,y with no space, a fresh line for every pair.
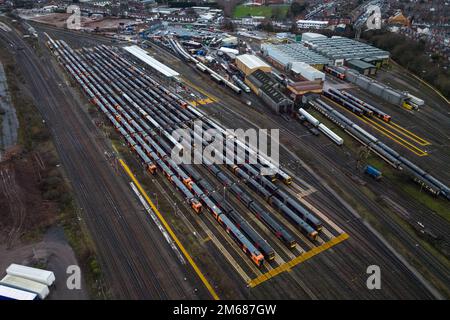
362,67
312,24
249,63
341,49
150,61
301,70
298,89
268,89
282,56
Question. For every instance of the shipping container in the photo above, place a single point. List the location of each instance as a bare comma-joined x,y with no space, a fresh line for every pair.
373,172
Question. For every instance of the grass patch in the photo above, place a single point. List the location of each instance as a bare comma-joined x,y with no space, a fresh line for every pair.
278,11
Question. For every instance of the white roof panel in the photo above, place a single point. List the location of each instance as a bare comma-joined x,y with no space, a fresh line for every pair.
142,55
252,61
8,293
39,275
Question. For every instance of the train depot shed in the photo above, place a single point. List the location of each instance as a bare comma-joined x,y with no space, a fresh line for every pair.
284,55
362,67
249,63
143,56
339,49
268,89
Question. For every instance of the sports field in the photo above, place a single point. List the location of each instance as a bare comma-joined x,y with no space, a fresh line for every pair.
263,11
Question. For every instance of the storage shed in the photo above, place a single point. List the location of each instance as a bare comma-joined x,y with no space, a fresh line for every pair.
249,63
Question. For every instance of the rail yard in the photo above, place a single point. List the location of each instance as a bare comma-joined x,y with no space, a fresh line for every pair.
309,230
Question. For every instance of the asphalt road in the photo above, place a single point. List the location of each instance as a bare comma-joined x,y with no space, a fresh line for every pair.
136,260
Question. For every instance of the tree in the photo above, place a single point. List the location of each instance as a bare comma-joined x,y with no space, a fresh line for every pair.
296,8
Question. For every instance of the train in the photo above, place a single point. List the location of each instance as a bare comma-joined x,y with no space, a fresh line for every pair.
420,176
380,114
348,105
334,72
260,243
151,152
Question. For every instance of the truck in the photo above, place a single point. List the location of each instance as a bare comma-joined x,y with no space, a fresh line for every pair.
8,293
26,285
373,172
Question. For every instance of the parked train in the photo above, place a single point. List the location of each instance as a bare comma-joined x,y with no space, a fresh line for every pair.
394,158
380,114
334,72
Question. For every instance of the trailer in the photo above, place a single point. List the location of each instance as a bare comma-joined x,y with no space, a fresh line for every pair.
25,284
9,293
34,274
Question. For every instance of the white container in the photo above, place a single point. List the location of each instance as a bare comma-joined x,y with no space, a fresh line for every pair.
8,293
39,275
28,285
309,117
330,134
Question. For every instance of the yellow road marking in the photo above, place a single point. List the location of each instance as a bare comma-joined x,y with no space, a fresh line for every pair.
385,132
292,263
409,134
210,96
391,135
169,229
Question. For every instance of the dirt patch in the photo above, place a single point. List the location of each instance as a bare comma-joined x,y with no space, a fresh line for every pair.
23,208
52,253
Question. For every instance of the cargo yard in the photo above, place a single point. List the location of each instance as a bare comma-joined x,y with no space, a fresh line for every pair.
363,177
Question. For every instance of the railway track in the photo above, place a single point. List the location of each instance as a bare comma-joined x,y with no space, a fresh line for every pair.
124,248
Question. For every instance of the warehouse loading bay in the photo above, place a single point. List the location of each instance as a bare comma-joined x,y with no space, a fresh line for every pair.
326,179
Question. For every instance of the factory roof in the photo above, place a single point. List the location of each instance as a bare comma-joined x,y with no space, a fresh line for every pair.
345,48
268,85
293,52
252,61
152,62
360,64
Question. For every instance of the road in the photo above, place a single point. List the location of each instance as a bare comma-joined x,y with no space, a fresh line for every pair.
136,260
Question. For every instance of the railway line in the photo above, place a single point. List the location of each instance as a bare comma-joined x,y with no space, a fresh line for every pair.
361,247
121,86
230,115
108,208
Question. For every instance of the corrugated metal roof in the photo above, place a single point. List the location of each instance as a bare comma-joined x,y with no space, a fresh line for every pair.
252,61
360,64
152,62
341,47
293,52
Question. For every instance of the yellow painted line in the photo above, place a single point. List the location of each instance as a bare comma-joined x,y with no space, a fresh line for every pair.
292,263
384,131
407,133
210,96
172,234
391,135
